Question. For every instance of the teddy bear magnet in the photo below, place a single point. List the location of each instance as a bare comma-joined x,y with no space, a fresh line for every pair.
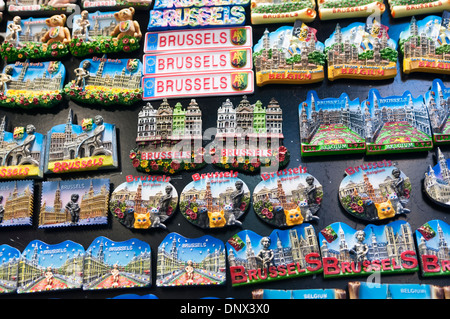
105,32
36,38
375,191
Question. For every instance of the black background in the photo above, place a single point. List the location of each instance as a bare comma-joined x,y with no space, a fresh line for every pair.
328,170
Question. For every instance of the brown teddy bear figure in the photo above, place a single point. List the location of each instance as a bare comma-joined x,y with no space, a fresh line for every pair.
126,26
57,31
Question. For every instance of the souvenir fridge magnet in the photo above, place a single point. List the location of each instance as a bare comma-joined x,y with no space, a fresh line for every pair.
288,197
106,81
74,148
16,203
10,263
118,4
78,202
32,84
105,32
406,8
375,191
385,249
289,55
190,261
365,290
437,103
169,139
361,51
215,200
24,7
35,38
249,137
331,125
110,264
395,124
299,294
270,11
284,254
21,152
45,267
425,45
332,9
144,202
437,180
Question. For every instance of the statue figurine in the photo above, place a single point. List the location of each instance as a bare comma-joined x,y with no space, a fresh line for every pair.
14,29
398,183
189,269
5,78
73,208
360,249
265,255
165,200
236,201
49,278
2,209
84,24
115,276
311,195
81,74
98,132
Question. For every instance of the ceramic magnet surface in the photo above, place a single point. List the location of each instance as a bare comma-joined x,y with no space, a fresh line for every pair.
375,191
437,103
365,290
16,203
437,180
9,262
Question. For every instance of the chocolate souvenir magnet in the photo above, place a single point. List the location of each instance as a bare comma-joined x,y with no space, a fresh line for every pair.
190,261
437,180
425,45
331,125
16,203
289,55
249,137
35,38
78,202
10,264
361,51
105,32
284,254
144,202
74,148
437,103
288,197
299,294
169,139
332,9
32,84
396,123
24,7
270,11
215,200
405,8
432,245
375,191
106,81
364,290
110,264
386,249
45,267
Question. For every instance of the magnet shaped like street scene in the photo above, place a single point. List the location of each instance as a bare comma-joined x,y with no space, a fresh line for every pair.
110,264
387,249
144,202
437,102
288,197
16,203
215,200
284,254
45,267
190,261
9,262
437,180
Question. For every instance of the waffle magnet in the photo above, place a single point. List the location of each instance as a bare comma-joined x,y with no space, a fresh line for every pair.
10,262
386,249
106,81
270,197
289,55
331,125
375,191
35,38
22,152
16,203
330,10
32,84
215,200
144,202
437,180
124,264
284,254
437,103
190,261
79,202
269,11
56,267
74,148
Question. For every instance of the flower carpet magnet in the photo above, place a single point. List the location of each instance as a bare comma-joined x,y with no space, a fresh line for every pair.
387,249
215,200
106,81
249,137
190,261
35,38
437,103
365,290
9,262
289,55
144,202
270,11
32,84
169,139
111,264
331,125
436,183
105,32
288,197
284,254
16,203
54,267
338,9
375,191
